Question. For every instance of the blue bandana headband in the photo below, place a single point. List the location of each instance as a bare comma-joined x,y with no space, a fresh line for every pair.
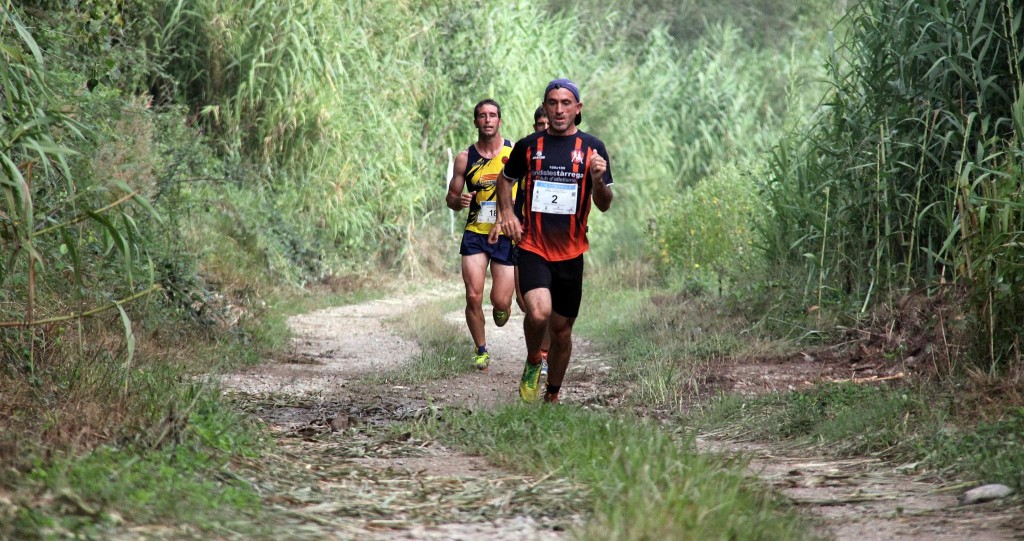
571,87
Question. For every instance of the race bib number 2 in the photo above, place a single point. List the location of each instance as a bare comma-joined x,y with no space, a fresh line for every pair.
554,197
488,212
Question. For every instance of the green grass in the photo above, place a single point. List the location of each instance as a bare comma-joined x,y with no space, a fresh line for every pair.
666,346
663,344
645,482
187,480
992,451
445,347
849,418
902,424
102,442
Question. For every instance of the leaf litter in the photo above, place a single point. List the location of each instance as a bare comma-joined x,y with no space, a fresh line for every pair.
364,479
343,469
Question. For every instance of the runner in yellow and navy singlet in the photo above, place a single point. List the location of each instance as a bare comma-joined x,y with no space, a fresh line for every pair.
481,175
474,176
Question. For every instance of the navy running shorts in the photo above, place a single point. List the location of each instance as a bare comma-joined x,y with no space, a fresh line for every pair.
476,243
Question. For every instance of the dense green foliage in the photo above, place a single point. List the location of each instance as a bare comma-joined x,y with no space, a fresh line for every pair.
334,120
180,147
710,231
909,175
350,109
730,101
65,214
153,153
324,127
166,164
764,24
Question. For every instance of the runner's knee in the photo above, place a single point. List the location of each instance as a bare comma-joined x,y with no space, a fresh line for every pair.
474,298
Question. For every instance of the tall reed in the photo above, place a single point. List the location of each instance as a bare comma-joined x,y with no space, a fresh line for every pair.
917,145
71,243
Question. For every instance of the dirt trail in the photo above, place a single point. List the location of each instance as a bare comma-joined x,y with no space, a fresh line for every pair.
865,499
406,489
368,488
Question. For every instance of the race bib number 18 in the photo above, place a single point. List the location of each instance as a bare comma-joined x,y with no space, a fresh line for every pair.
488,212
554,197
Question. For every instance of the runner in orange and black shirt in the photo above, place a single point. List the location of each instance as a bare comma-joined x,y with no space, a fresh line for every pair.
540,124
565,170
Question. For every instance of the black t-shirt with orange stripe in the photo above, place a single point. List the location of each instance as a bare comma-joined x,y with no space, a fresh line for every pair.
556,191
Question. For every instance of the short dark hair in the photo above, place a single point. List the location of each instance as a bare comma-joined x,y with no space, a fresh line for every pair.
481,103
539,113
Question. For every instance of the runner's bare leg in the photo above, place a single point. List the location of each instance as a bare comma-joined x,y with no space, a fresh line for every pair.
561,347
474,272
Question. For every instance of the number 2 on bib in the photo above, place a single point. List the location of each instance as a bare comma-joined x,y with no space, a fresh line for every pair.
554,197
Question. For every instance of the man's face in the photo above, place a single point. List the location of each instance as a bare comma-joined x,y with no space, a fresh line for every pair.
487,121
562,108
541,124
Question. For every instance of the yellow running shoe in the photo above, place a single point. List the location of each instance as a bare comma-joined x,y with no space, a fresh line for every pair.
482,361
501,317
529,383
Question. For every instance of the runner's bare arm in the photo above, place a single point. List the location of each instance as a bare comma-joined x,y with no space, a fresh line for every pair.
507,223
455,199
602,193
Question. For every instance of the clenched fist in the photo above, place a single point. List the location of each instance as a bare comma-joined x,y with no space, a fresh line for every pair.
598,166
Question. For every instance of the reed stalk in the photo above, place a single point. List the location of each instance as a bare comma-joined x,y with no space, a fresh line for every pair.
926,95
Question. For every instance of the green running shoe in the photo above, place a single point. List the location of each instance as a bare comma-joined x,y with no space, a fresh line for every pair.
501,317
530,382
482,361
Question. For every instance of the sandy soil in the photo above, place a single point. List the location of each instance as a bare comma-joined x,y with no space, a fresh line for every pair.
859,500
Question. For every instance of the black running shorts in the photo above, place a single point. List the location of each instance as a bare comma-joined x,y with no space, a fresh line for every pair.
564,279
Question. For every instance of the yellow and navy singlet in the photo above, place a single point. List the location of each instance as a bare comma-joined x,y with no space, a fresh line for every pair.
481,175
556,191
